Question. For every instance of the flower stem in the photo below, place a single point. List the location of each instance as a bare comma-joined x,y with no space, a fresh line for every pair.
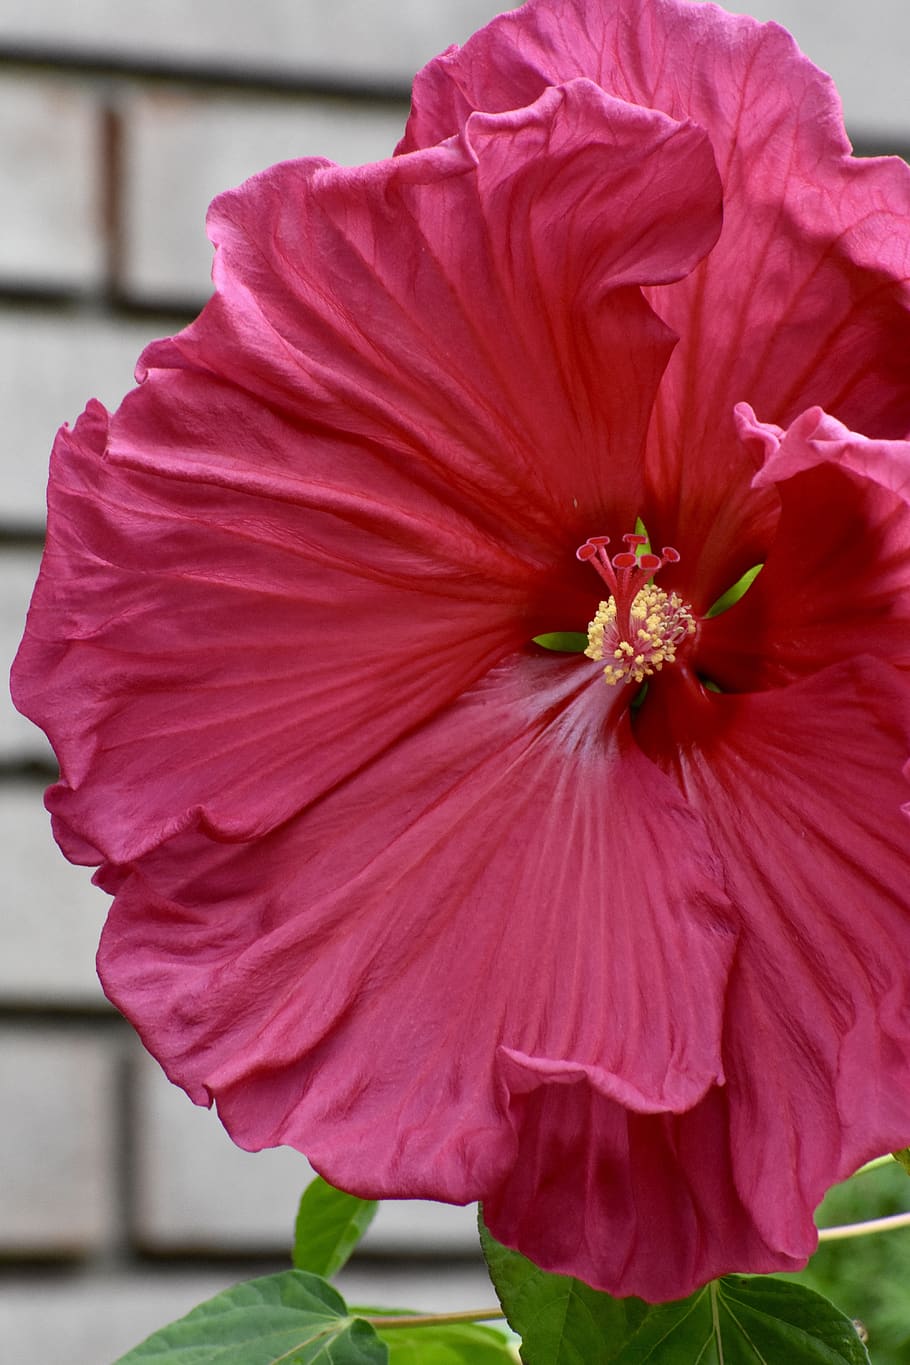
437,1319
895,1220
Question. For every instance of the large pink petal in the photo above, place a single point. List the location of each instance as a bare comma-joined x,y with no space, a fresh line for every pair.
804,299
635,1204
514,898
207,653
470,314
835,582
358,480
801,791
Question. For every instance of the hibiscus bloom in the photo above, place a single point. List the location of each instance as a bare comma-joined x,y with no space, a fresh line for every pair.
456,915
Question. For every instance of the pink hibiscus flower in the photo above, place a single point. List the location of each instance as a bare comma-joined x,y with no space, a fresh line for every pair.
445,910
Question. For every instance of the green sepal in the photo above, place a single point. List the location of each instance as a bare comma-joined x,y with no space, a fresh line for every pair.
292,1318
739,589
328,1227
639,699
563,641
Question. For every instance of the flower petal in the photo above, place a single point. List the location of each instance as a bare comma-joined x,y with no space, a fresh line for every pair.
803,300
634,1204
801,790
357,481
814,439
501,903
198,655
835,582
462,307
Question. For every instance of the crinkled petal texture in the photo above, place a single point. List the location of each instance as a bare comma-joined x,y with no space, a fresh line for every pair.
803,301
816,1052
834,584
356,482
464,922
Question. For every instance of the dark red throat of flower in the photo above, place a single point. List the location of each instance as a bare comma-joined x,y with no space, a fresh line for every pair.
640,627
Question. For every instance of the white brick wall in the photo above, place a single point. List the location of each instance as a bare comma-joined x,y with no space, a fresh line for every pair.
57,1158
93,1318
20,741
50,184
864,46
51,363
180,150
371,40
50,914
185,1161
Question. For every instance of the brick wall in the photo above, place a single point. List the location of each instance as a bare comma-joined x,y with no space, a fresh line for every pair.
118,123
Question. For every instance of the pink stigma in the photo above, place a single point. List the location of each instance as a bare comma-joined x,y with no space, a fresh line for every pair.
626,573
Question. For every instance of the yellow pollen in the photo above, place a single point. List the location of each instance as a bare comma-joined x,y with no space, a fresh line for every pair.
658,623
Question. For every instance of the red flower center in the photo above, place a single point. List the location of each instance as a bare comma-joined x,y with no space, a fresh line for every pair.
640,627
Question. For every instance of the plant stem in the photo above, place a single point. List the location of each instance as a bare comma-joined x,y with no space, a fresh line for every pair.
437,1319
895,1220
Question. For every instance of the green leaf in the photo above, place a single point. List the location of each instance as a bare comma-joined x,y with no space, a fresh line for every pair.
561,1321
564,641
745,1320
329,1225
739,589
453,1344
292,1318
739,1320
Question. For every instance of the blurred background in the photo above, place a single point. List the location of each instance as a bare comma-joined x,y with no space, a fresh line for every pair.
121,1204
